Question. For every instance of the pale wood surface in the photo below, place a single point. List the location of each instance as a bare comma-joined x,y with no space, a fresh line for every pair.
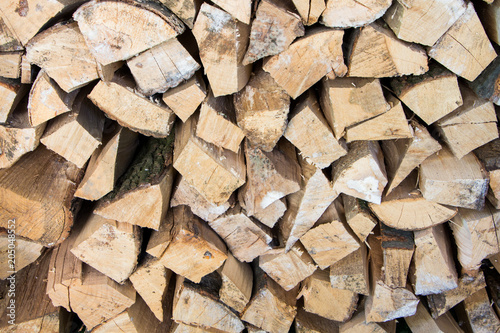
11,94
348,14
358,216
422,322
26,252
272,213
306,322
309,11
237,281
186,97
8,40
480,314
359,324
10,64
107,72
240,9
351,272
27,72
490,19
186,10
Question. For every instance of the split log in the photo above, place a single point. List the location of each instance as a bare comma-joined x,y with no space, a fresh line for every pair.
142,194
348,101
361,173
74,66
271,176
422,22
310,11
186,245
467,285
107,72
405,208
108,163
434,267
16,252
297,69
112,39
306,322
447,323
470,126
329,240
217,123
422,322
480,315
351,272
47,100
271,308
459,52
10,64
192,300
8,40
261,111
186,10
130,110
179,327
27,72
445,179
186,97
151,280
222,41
476,234
37,192
288,269
245,238
358,216
97,298
430,96
349,14
402,156
359,324
162,67
273,30
489,13
322,299
484,85
306,205
240,9
309,131
236,289
376,52
489,156
109,246
386,126
215,173
11,93
272,213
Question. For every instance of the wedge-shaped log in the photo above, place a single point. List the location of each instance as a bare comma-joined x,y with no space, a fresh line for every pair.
306,322
422,322
8,40
273,30
186,10
191,302
376,52
222,41
11,93
131,110
397,250
244,237
142,194
10,64
348,14
484,85
186,245
74,66
111,38
422,22
162,67
215,173
239,9
359,324
272,213
297,69
322,299
358,216
459,52
480,314
25,252
445,179
37,192
361,173
351,272
237,281
186,97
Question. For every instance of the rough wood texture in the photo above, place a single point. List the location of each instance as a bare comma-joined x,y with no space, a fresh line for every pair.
16,254
447,180
490,19
192,300
107,72
11,94
271,308
297,69
131,110
361,173
309,131
434,270
162,67
72,67
222,41
288,269
359,324
402,156
142,195
261,110
459,52
348,14
237,279
190,248
397,249
322,299
186,10
358,216
411,21
186,97
309,11
245,238
273,30
405,208
112,39
272,213
37,192
215,173
239,9
422,322
8,40
470,126
27,72
10,64
351,272
485,85
306,322
376,52
489,156
481,316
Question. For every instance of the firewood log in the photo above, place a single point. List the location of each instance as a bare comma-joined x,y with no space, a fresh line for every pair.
186,10
488,13
422,322
237,278
358,216
351,272
348,14
480,315
10,64
489,156
27,71
484,85
359,324
309,11
11,93
186,97
239,9
22,253
8,40
272,213
107,72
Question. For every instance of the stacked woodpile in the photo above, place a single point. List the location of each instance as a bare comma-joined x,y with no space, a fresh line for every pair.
231,165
